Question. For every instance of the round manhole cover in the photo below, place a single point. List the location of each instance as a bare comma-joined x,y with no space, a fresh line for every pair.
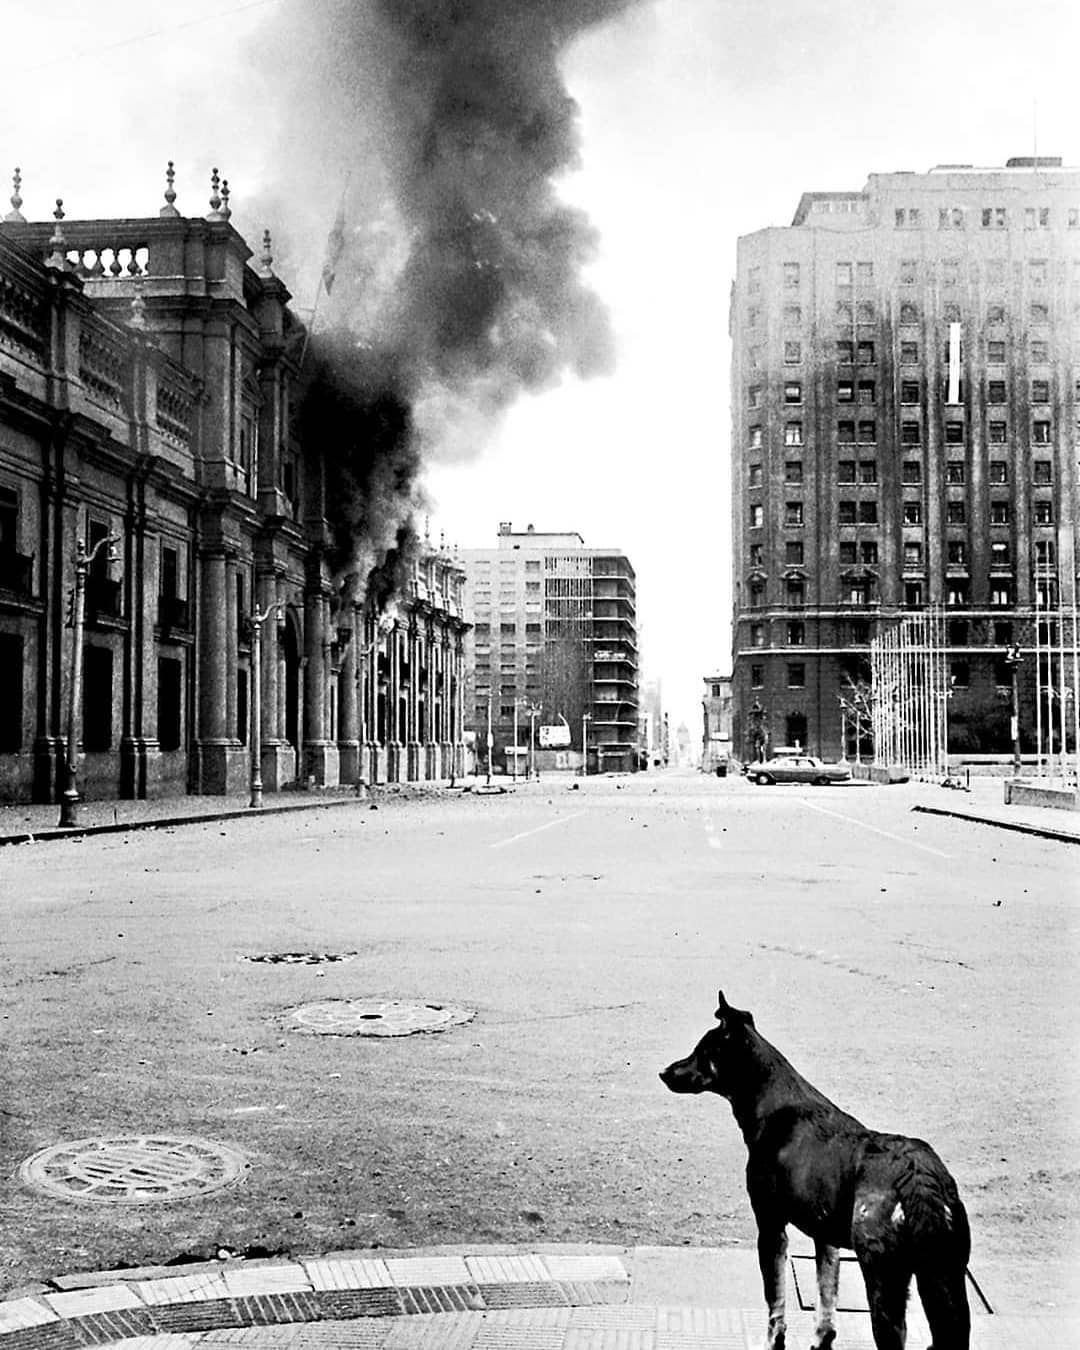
374,1017
140,1169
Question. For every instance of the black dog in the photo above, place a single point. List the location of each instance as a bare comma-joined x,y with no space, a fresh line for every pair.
811,1164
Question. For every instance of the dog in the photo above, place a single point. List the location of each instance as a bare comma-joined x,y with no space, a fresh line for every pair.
888,1197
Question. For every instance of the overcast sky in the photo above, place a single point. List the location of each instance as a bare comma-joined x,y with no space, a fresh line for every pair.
701,120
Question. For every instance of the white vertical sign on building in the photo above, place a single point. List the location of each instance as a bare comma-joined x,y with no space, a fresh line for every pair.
954,364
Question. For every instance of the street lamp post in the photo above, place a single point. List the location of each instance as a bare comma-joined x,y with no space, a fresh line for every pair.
515,757
69,801
1014,660
586,718
257,621
490,740
534,710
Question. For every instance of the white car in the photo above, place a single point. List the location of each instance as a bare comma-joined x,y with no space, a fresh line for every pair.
798,769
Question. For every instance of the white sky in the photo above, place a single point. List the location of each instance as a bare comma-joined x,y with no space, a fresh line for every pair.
702,120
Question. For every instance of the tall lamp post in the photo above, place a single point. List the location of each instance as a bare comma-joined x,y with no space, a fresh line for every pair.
533,710
257,621
69,801
1014,660
490,739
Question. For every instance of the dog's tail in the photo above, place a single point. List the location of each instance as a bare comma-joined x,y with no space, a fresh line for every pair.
939,1239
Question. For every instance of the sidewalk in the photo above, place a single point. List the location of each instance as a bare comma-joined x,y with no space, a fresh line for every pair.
984,803
541,1297
37,822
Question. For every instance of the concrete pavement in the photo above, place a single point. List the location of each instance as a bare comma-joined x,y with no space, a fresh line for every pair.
548,1297
543,1297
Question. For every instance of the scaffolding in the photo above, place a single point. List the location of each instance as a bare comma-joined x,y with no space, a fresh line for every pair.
909,677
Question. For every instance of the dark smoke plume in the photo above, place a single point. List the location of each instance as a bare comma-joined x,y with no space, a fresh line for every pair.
460,282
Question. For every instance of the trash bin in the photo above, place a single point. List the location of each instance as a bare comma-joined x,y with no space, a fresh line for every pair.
721,769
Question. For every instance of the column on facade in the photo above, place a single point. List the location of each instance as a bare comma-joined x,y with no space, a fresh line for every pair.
412,732
213,674
348,712
316,749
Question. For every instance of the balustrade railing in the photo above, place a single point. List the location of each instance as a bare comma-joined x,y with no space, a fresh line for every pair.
104,365
174,413
23,319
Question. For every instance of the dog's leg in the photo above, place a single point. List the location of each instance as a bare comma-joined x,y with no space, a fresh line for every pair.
772,1258
887,1284
827,1260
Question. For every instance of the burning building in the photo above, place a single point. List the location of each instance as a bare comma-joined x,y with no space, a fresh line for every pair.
152,395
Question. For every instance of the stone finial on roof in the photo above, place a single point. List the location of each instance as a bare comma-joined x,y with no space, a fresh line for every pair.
15,214
170,193
57,243
215,196
266,257
226,210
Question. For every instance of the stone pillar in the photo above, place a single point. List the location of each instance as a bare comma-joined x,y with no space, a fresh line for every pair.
348,703
413,730
320,756
394,756
214,741
274,759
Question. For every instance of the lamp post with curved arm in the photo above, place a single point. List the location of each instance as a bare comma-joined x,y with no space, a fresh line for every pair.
69,801
257,620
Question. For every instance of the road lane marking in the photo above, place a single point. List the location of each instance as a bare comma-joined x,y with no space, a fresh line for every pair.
885,834
561,820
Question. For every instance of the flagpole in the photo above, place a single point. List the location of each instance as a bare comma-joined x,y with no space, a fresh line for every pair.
338,228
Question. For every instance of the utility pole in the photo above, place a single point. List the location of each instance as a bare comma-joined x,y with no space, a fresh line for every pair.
586,718
514,771
69,801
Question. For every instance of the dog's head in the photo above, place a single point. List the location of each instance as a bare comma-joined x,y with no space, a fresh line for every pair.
713,1063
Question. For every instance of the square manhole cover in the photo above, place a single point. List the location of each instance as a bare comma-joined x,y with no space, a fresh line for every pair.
851,1294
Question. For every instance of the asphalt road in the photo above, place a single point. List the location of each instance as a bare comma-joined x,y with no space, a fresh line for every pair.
921,971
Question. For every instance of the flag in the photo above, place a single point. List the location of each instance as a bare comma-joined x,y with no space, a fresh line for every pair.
335,244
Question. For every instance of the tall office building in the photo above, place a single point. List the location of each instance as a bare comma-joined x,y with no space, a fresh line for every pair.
554,630
905,405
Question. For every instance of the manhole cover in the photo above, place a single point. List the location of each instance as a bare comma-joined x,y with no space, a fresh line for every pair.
298,958
374,1017
140,1169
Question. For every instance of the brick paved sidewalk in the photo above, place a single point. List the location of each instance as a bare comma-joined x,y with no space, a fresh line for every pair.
468,1298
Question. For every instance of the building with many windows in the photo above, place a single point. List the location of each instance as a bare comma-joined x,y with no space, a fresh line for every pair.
905,431
148,371
553,629
716,724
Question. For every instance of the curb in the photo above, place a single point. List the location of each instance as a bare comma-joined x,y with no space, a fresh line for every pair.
479,1297
1018,827
169,822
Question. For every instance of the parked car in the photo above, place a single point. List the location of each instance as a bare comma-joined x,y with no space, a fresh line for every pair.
798,769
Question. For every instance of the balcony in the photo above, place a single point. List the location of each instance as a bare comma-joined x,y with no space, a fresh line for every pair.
16,571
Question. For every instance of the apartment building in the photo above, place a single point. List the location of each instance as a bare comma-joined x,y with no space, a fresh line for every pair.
905,431
553,646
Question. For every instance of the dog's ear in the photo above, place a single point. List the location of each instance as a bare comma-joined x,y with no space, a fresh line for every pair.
730,1017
